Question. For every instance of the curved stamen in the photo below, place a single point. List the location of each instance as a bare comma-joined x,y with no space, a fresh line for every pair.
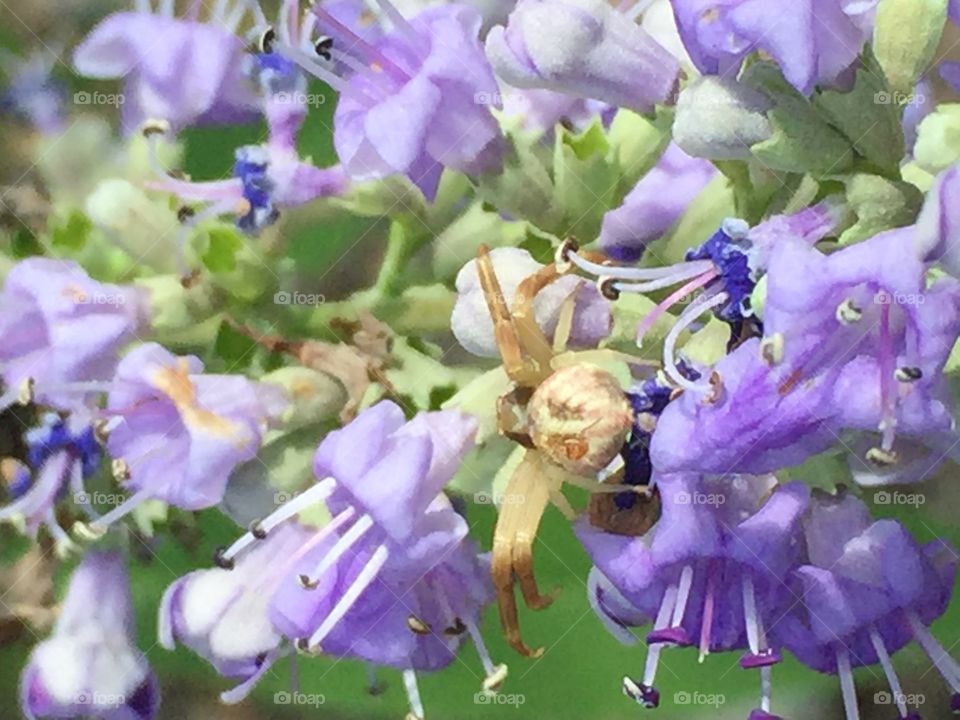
888,421
847,686
706,624
671,300
615,628
365,48
947,667
413,694
353,593
686,319
686,269
317,493
666,281
400,23
653,651
349,539
766,687
99,526
884,657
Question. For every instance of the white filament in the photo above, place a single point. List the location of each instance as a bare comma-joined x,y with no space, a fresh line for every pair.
366,576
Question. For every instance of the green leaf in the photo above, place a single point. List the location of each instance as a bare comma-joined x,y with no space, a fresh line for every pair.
879,204
869,117
905,38
585,179
71,233
637,143
223,242
803,141
234,348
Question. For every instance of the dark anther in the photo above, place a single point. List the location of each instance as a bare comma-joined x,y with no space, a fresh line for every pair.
185,213
458,628
570,245
220,561
323,46
266,40
908,374
306,583
256,529
607,288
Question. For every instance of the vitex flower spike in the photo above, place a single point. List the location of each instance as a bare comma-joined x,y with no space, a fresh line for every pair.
89,667
61,333
712,572
853,340
185,70
178,433
393,560
725,268
428,70
868,590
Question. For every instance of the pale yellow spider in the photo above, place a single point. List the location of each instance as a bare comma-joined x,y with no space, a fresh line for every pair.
570,414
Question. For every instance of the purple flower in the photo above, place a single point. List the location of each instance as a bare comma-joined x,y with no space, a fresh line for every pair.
431,72
712,572
725,267
61,452
60,332
176,435
180,70
937,236
868,589
647,211
33,94
852,340
584,48
813,41
90,666
471,321
222,615
265,179
391,579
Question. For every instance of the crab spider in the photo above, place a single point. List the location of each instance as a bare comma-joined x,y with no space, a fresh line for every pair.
572,417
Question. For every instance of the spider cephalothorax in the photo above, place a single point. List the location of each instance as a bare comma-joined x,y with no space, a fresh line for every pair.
570,414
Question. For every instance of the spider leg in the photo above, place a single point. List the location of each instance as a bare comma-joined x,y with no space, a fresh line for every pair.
530,335
524,501
517,367
561,336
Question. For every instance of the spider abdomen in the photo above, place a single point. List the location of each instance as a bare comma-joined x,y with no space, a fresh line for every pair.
579,418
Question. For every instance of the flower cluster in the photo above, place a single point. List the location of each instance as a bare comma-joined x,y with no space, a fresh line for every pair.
686,271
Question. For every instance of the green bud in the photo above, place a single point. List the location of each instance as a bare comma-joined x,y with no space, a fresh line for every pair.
314,396
905,37
938,139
